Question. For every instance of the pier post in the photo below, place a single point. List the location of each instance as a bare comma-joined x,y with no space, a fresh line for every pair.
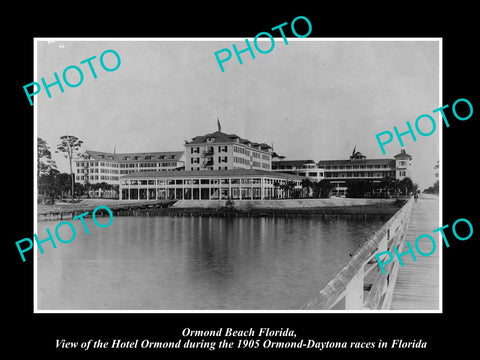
354,292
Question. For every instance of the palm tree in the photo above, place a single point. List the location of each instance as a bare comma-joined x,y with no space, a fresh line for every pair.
290,186
276,186
70,146
307,184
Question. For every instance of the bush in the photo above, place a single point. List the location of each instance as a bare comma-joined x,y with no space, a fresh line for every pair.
229,204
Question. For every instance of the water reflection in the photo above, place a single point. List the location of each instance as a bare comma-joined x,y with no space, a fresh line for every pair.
156,263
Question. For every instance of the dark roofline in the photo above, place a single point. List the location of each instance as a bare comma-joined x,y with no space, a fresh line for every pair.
289,162
403,154
119,156
225,138
356,162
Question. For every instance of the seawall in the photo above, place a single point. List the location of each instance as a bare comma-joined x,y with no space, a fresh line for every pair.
281,203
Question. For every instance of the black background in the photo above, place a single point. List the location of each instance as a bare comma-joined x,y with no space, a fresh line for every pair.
452,330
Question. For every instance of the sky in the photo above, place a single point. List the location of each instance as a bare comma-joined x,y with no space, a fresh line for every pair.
312,98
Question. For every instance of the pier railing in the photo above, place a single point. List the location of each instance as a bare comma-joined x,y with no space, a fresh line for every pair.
360,284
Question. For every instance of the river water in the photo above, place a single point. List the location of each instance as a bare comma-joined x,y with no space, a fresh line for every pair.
194,263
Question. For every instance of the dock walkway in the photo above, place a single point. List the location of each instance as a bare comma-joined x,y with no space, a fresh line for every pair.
417,286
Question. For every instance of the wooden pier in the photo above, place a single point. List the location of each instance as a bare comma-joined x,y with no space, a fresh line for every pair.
417,286
360,285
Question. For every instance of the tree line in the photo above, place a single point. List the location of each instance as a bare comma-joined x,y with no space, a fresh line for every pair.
54,184
387,187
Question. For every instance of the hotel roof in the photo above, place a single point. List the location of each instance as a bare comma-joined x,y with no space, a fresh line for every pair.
211,173
221,137
135,157
292,162
322,163
403,154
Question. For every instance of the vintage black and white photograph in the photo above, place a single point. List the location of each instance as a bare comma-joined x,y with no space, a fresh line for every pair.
205,175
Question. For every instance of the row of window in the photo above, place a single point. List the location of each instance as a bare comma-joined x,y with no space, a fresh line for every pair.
241,150
223,181
311,174
359,174
96,177
123,166
148,157
291,167
96,163
196,149
240,160
221,159
102,171
141,170
334,167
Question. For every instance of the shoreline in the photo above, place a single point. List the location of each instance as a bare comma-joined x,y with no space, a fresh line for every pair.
163,208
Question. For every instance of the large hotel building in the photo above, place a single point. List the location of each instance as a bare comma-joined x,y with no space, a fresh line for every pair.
225,166
217,166
357,167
